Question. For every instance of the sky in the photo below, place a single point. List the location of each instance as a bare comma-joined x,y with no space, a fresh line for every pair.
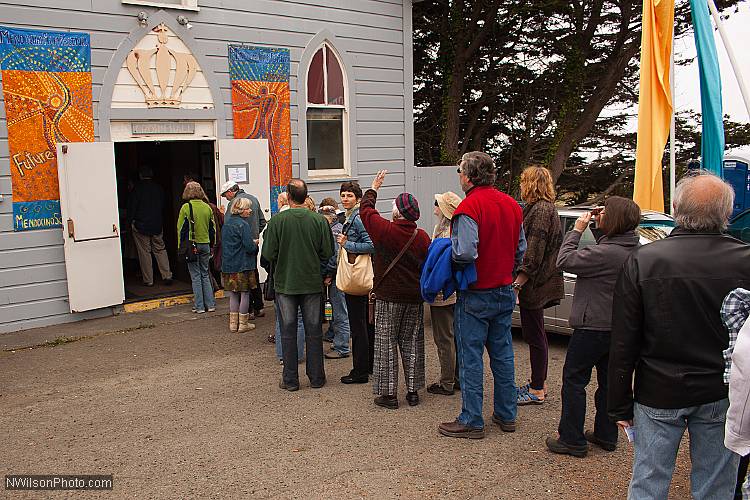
687,86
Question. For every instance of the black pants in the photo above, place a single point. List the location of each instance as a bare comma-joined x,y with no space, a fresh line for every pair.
362,335
256,295
586,349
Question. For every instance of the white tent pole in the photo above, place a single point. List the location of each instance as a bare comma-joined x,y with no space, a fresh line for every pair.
735,67
672,155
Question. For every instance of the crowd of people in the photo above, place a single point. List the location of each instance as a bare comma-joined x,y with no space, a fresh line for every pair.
664,324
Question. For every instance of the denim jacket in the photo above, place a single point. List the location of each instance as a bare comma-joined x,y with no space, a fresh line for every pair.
357,239
239,250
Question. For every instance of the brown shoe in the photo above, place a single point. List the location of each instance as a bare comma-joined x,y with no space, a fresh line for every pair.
506,426
458,430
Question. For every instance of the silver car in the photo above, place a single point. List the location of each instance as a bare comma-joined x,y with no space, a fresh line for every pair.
654,226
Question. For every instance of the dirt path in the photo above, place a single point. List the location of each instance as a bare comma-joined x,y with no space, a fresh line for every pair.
184,409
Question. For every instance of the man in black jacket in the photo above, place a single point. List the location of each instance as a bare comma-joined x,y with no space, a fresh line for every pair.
145,208
666,327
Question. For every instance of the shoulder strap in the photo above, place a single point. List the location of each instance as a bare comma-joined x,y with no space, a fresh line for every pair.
398,257
191,221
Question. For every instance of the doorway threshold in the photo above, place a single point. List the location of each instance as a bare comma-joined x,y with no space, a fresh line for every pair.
163,303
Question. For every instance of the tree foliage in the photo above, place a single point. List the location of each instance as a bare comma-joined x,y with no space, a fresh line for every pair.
551,82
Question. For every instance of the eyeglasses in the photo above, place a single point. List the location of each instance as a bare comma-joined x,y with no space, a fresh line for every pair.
458,170
436,203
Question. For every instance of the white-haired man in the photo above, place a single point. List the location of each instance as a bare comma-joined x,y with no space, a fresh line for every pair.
666,328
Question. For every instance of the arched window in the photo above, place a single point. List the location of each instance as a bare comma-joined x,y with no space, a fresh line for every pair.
327,121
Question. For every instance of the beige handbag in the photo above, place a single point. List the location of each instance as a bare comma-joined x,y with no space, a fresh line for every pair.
354,273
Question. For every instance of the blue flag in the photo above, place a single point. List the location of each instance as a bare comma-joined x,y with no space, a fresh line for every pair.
712,133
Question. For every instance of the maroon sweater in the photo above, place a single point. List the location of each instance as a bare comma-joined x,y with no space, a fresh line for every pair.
389,237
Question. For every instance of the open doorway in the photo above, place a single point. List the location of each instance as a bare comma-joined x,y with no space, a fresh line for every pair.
170,162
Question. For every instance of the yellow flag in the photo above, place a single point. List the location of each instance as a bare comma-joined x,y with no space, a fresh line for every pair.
654,102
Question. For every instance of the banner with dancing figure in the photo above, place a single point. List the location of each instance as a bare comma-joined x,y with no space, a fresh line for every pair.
46,78
260,106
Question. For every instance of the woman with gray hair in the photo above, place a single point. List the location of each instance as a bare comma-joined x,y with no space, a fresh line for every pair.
240,254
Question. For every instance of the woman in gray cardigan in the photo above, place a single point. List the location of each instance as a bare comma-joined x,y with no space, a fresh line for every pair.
597,267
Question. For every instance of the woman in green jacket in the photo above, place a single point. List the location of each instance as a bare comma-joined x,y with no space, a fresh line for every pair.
203,233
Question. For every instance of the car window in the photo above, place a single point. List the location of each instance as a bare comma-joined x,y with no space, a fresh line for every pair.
587,238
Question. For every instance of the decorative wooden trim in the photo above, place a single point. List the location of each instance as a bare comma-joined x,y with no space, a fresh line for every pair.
105,111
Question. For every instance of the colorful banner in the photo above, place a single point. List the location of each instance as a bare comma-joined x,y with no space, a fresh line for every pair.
46,79
654,103
260,106
712,120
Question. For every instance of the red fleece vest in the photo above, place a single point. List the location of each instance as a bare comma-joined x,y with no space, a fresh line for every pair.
499,219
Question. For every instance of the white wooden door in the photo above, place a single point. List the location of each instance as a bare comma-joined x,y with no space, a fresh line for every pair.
247,162
91,224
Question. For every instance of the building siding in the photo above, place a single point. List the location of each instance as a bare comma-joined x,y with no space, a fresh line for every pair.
374,34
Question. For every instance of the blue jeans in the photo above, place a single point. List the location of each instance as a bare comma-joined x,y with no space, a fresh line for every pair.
482,318
339,327
287,306
203,294
300,336
657,438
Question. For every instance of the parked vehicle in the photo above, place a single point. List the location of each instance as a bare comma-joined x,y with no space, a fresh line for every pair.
739,226
654,226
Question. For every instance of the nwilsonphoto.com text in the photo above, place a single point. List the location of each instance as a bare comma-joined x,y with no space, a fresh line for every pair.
32,482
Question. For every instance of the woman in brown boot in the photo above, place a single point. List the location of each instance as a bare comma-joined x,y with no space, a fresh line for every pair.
239,257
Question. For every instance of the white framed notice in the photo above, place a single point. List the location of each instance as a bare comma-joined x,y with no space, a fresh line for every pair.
238,173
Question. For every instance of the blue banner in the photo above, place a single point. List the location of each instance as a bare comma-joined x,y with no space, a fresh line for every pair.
712,123
259,64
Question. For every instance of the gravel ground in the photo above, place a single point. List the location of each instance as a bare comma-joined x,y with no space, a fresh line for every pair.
180,408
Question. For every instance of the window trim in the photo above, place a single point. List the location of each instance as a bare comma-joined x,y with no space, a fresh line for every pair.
349,139
191,5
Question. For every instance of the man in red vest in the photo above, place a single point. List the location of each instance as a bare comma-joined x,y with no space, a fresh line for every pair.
486,230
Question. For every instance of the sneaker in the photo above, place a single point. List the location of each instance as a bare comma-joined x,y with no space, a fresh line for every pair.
290,388
196,311
332,354
211,309
259,313
439,389
557,446
604,445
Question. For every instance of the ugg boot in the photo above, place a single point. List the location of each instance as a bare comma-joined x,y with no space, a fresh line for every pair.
244,323
234,319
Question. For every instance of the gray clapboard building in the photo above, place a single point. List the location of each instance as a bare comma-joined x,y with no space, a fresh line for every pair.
162,94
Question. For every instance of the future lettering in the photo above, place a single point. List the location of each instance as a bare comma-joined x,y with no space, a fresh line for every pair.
27,160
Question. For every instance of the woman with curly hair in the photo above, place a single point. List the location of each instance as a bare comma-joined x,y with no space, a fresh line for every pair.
539,281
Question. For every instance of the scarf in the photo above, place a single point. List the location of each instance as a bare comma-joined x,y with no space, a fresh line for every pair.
350,211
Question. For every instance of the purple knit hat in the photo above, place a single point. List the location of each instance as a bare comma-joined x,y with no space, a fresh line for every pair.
408,206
